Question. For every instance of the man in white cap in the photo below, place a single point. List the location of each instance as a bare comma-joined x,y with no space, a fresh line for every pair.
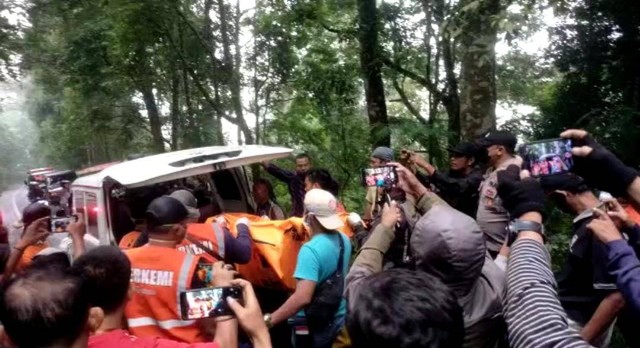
323,262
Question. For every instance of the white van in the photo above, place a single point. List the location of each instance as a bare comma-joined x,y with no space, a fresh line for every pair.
218,176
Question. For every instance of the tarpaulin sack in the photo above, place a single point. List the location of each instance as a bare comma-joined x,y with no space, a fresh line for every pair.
276,244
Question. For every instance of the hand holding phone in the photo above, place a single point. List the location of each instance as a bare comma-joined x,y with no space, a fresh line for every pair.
61,224
547,157
249,314
617,213
208,302
37,231
604,206
380,177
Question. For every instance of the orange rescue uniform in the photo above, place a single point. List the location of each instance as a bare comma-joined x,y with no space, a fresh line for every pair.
210,235
274,254
159,275
634,215
29,253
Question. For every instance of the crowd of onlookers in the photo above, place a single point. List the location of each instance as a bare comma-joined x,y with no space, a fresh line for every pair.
441,258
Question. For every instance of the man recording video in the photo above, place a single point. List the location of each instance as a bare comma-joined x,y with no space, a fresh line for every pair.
458,186
379,158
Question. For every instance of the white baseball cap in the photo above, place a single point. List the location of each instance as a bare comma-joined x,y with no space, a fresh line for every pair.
323,205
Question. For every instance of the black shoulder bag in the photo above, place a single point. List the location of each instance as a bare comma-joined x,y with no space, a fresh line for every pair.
327,296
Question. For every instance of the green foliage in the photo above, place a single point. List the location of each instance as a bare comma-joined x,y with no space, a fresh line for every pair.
323,118
597,49
9,43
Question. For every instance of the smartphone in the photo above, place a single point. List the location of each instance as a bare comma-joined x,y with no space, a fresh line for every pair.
204,272
547,157
61,224
605,206
208,302
381,177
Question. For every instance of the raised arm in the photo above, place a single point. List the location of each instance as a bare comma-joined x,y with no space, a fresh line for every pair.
369,259
531,288
446,183
532,310
622,261
34,233
238,249
279,173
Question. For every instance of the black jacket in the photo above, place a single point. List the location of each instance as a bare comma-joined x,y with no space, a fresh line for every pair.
460,191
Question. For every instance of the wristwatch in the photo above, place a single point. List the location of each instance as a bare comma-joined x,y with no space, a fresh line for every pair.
267,320
516,226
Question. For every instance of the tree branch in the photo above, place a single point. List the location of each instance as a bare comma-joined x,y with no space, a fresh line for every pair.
403,98
201,88
197,34
330,29
417,78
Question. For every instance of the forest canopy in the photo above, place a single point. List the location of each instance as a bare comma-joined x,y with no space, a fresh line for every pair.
333,78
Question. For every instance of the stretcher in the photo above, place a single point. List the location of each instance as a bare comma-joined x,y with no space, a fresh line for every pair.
276,244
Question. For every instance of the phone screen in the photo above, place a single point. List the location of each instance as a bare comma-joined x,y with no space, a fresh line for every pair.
61,224
605,206
547,157
205,273
207,302
380,177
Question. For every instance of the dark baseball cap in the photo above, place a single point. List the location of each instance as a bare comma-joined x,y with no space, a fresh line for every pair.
165,210
33,212
502,138
564,182
465,149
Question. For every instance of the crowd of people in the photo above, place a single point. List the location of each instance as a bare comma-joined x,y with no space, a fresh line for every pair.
441,258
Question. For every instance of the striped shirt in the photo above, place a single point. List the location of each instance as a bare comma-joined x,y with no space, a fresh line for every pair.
532,309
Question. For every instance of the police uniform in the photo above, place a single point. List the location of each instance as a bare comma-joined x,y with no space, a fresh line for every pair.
492,217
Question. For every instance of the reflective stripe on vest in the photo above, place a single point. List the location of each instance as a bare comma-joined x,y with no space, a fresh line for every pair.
183,276
164,324
182,279
219,237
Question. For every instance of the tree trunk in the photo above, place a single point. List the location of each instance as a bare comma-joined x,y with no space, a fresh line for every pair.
189,138
233,71
371,66
176,122
477,73
211,132
451,100
154,118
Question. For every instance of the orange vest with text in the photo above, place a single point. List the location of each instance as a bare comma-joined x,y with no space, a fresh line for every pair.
210,235
158,276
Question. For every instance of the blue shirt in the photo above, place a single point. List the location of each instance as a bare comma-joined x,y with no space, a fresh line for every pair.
318,259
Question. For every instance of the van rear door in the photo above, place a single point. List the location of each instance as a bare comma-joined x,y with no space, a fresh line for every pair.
181,164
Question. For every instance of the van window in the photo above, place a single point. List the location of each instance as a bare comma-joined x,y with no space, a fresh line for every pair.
91,204
226,185
86,203
78,201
